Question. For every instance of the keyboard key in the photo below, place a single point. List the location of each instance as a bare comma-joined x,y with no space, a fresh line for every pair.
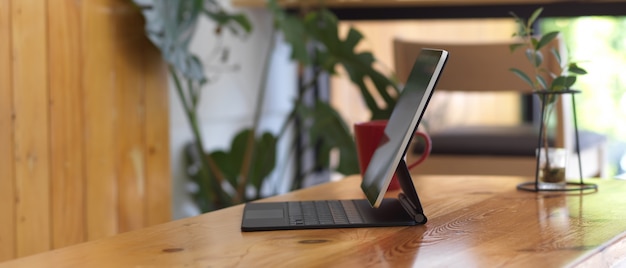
337,212
354,216
323,213
326,212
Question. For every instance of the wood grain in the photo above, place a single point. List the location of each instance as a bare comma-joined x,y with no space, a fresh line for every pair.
30,95
7,177
474,221
100,114
66,124
158,194
129,87
72,74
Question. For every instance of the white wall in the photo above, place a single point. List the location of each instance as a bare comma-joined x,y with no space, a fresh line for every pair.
228,102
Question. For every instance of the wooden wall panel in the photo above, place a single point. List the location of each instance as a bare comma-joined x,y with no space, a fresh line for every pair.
84,147
7,189
157,193
128,33
30,95
66,121
100,117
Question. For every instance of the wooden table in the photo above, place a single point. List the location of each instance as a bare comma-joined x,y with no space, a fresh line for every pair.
473,222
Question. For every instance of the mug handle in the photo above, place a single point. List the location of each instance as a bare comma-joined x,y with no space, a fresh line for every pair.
426,152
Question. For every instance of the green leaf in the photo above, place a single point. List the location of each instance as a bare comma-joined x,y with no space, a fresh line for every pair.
294,32
264,159
227,165
574,68
262,163
195,70
534,41
360,69
534,16
535,57
569,81
563,83
230,162
329,128
329,49
546,39
542,82
354,37
523,76
514,47
239,147
517,18
326,61
235,22
243,21
556,54
170,25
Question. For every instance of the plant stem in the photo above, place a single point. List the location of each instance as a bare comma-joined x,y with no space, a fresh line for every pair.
207,187
250,144
546,145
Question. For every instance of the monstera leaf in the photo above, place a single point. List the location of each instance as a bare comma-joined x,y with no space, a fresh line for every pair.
359,65
329,129
233,163
170,26
316,43
294,32
233,166
320,28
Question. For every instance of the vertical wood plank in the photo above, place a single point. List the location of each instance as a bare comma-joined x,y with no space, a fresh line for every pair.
64,65
100,116
72,75
158,182
31,126
130,43
7,195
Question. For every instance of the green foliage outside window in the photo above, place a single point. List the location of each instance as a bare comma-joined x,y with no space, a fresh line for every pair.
600,44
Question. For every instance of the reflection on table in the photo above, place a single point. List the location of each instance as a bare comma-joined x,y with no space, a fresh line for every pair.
473,221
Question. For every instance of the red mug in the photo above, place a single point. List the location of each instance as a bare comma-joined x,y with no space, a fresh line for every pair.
367,136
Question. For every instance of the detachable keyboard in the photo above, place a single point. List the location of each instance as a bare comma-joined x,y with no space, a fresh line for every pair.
265,216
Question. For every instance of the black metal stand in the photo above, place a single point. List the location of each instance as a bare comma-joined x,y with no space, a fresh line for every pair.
569,186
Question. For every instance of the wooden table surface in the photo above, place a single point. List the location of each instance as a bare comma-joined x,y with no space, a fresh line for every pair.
473,222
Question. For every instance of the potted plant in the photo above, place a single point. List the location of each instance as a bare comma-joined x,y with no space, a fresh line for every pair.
548,85
317,45
170,26
223,178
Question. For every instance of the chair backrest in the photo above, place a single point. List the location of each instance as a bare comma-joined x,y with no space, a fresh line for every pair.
483,67
473,66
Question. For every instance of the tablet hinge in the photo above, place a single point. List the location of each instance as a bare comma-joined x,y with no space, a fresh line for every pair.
411,208
408,197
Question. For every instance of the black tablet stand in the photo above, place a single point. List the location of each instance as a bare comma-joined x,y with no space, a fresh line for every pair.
409,198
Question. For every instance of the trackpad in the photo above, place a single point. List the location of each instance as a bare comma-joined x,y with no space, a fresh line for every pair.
264,214
260,215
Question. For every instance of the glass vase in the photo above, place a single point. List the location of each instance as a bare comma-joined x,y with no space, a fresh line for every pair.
552,164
